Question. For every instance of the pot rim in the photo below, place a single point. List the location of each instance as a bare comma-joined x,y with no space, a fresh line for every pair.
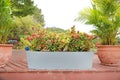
107,46
6,45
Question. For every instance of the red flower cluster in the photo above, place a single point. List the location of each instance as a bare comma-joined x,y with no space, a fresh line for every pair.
29,38
89,36
77,36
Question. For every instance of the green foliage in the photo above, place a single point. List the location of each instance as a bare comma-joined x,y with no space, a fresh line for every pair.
38,16
5,20
22,25
104,15
25,15
22,8
5,16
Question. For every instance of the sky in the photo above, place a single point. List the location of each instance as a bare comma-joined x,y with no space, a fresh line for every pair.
62,13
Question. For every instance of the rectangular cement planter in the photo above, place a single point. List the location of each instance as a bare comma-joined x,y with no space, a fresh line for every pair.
59,60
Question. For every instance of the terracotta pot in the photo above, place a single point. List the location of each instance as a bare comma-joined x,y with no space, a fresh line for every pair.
109,54
5,53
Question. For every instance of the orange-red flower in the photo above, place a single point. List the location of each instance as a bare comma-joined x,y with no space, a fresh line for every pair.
40,36
77,36
34,34
29,38
89,36
43,45
62,42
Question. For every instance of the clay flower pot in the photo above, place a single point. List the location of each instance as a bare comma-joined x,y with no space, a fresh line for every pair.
5,53
109,54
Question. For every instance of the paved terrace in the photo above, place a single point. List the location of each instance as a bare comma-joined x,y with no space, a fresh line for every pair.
17,69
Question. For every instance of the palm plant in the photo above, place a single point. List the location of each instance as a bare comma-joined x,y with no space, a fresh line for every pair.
5,20
104,15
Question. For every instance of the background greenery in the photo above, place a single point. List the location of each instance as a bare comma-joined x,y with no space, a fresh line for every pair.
25,15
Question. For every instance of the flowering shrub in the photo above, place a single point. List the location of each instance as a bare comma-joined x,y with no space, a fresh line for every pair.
23,43
37,40
56,42
41,40
79,41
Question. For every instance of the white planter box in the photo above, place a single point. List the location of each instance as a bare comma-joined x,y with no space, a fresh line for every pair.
60,60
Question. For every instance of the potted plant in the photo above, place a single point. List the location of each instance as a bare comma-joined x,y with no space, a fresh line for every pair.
51,50
5,20
104,15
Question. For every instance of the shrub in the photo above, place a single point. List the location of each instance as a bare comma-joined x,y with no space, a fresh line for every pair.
56,41
79,41
41,40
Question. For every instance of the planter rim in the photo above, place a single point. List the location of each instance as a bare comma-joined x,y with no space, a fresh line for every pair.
62,51
6,45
